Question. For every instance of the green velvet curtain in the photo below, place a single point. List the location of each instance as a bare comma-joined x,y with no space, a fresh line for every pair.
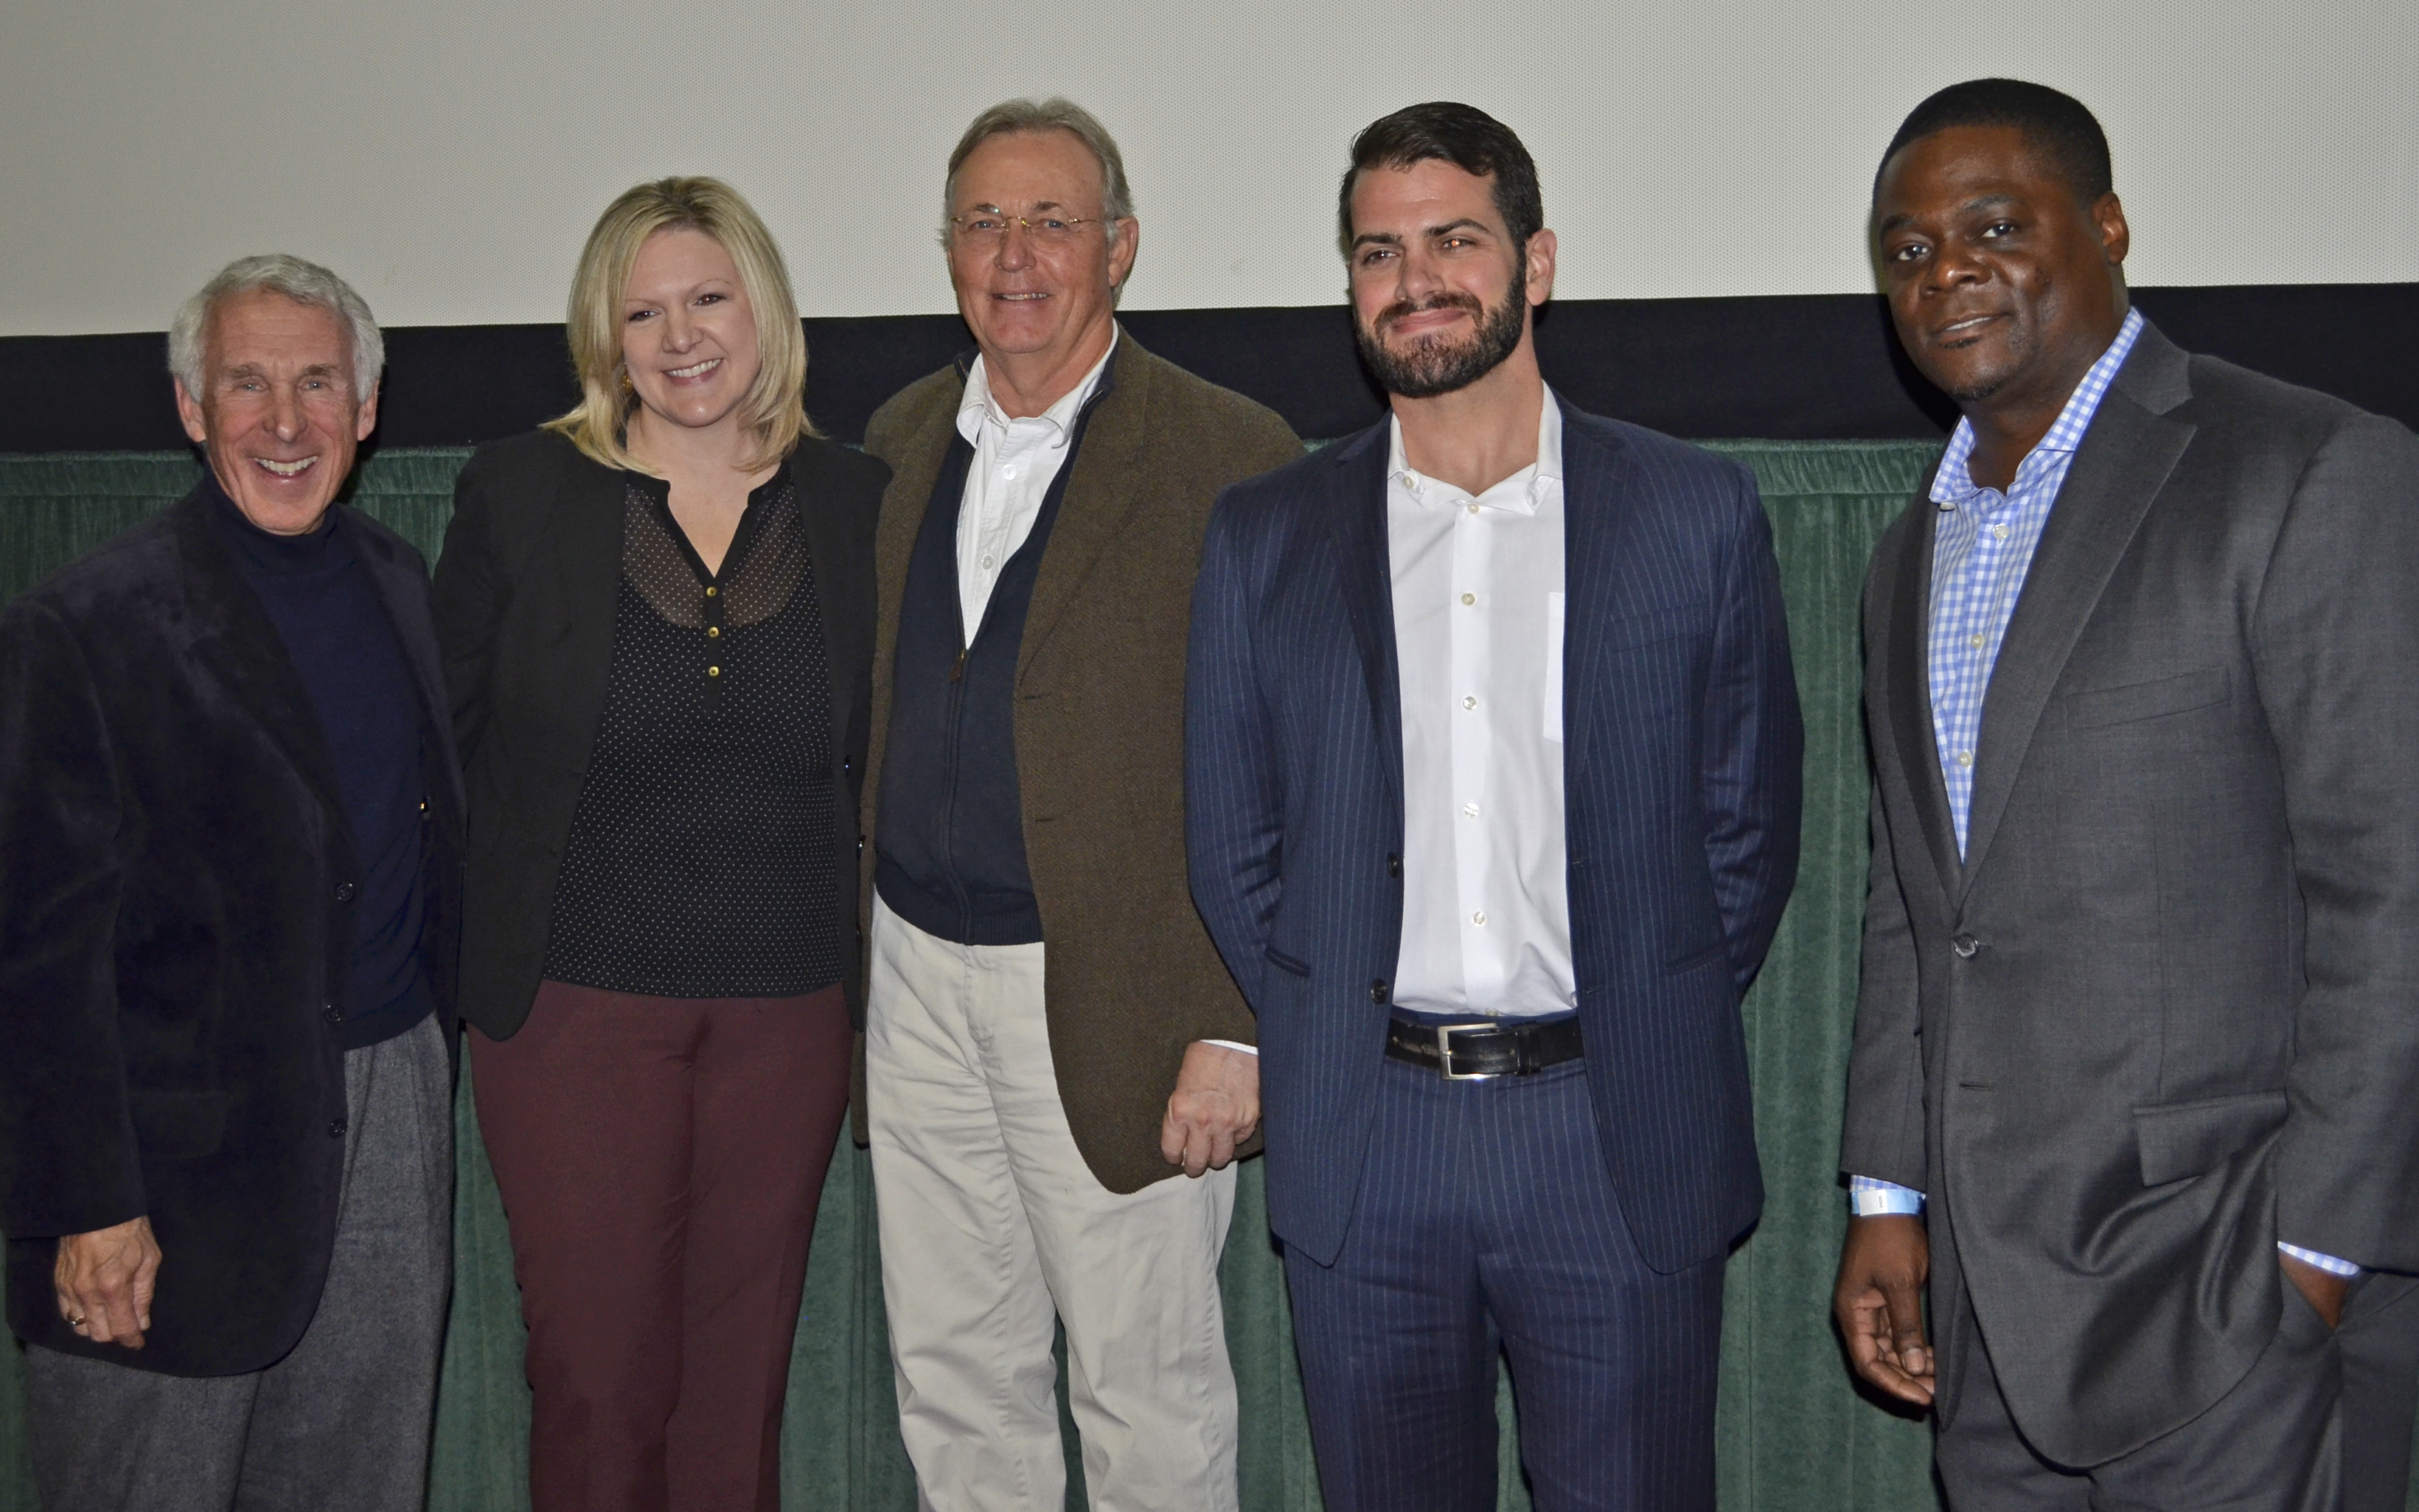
1795,1436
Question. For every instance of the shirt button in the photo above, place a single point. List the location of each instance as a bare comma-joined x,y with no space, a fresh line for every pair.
987,561
713,671
1998,533
1470,702
1965,944
1469,809
1473,506
1479,918
335,1128
713,632
1975,642
1470,598
711,591
1965,758
1008,472
333,1013
344,892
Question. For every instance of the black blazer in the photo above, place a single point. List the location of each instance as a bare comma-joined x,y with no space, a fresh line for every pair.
172,844
525,598
1680,791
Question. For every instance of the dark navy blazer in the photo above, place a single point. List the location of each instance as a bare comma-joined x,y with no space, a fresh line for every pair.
1681,785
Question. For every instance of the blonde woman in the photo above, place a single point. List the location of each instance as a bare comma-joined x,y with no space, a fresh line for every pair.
657,618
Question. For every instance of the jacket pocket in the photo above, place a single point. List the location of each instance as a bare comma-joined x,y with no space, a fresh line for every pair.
2181,1139
1284,963
178,1125
2146,701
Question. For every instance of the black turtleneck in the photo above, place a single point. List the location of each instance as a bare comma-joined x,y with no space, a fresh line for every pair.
328,613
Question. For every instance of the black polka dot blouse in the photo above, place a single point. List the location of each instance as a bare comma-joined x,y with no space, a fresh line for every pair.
702,859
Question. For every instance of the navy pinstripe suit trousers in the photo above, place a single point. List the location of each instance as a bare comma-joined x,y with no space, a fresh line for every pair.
1487,1221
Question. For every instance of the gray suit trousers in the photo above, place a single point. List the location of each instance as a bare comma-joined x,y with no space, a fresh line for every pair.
340,1424
2322,1422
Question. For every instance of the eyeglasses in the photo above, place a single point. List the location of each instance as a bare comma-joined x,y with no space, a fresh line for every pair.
987,227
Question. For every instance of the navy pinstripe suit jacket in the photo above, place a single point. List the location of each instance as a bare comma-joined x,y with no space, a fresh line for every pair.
1681,779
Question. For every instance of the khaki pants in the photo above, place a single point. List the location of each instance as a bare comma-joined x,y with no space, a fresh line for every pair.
992,1224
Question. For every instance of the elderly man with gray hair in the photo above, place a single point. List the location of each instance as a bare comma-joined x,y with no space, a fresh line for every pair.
1061,1146
230,828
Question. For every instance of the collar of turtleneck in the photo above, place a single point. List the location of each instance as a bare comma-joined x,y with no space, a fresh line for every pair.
264,551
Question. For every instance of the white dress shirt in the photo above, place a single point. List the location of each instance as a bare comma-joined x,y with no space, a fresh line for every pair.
1478,636
1015,462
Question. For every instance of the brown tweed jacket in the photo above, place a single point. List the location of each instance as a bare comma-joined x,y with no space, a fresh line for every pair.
1099,728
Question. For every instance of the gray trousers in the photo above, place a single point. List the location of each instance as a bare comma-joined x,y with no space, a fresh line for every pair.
342,1423
2322,1422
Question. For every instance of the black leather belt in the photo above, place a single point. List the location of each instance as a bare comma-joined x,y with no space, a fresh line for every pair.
1483,1047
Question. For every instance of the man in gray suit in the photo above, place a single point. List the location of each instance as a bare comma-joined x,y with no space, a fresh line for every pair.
2138,1036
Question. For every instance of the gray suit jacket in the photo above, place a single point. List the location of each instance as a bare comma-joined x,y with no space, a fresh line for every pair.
2166,1010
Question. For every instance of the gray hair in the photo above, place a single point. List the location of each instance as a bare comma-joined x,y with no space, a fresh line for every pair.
305,283
1056,114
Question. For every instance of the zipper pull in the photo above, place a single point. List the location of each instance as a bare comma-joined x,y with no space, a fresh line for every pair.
958,668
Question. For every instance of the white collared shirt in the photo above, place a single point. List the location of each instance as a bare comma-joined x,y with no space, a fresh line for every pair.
1478,636
1015,462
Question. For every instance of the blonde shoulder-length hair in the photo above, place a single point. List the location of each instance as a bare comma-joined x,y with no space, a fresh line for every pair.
774,409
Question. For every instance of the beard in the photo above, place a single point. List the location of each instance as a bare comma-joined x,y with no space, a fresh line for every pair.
1437,365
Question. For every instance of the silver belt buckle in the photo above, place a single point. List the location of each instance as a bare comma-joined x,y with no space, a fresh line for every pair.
1445,1034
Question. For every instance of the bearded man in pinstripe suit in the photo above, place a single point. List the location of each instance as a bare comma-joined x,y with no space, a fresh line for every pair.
1492,773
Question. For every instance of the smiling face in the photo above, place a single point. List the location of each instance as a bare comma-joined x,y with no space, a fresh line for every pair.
2005,288
688,334
1441,293
277,414
1047,299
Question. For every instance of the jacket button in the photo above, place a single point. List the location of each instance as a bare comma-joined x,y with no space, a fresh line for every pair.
1965,944
1379,990
344,892
335,1128
1394,865
333,1013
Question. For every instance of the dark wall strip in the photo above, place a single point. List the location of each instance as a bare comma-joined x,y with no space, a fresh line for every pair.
1805,368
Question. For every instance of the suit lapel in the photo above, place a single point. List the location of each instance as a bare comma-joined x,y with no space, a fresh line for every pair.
2123,462
234,636
809,469
1597,490
404,593
1908,690
585,541
1366,568
1103,486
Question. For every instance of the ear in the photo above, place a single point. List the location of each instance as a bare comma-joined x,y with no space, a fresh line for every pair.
365,419
188,410
1121,256
1540,256
2107,214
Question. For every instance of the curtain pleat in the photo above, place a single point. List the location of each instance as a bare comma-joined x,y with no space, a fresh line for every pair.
1794,1434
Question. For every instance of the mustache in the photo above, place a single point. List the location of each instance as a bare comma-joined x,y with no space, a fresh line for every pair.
1451,300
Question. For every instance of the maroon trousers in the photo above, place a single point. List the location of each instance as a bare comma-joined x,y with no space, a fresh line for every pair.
660,1160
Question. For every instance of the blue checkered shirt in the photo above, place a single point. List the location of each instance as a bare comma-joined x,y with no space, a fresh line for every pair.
1981,546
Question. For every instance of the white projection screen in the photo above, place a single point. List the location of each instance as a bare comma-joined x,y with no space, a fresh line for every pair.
448,156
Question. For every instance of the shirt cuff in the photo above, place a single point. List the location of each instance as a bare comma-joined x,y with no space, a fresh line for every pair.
2328,1263
1229,1044
1871,1198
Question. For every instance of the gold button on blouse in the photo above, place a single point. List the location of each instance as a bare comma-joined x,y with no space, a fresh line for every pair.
713,671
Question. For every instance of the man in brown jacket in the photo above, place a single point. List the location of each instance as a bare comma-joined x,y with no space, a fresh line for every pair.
1026,780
